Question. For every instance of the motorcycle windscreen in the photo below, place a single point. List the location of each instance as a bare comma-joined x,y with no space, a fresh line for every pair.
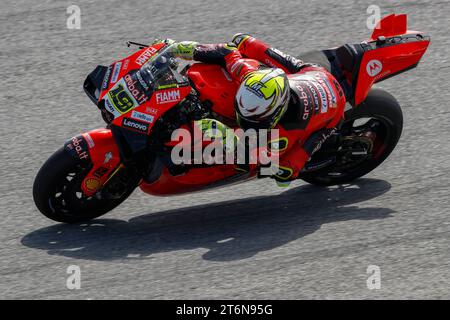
143,95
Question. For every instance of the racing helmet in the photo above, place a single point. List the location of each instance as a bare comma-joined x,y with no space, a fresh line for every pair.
262,99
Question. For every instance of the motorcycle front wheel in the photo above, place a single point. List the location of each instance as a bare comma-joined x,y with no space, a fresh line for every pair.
368,135
57,191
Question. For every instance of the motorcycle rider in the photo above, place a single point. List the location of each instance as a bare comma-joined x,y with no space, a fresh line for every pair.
304,101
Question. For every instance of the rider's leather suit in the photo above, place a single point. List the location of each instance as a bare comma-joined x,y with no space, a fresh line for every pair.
317,100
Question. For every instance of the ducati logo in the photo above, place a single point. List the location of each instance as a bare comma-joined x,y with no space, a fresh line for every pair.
374,67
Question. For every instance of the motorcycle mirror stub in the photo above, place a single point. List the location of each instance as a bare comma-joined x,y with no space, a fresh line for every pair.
139,45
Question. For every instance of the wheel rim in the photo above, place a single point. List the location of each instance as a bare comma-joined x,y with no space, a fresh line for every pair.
367,142
67,196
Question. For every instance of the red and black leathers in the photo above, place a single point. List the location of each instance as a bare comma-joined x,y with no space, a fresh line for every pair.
317,101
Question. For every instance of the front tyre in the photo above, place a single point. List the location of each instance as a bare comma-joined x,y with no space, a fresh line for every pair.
57,191
369,134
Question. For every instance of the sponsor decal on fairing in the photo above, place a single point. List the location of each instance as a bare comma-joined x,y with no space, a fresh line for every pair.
105,82
92,184
374,67
151,110
116,72
137,94
141,80
79,148
108,157
89,140
121,98
147,54
135,125
109,107
125,64
142,116
168,96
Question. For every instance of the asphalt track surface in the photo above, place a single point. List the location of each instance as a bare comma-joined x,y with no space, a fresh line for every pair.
244,242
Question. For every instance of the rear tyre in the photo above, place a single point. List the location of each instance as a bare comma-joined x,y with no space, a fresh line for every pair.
57,191
381,128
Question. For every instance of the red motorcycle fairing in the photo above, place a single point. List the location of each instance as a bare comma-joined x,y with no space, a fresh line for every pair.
196,179
119,87
215,84
97,149
143,117
399,51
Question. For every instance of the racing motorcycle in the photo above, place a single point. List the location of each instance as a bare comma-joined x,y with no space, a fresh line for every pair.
144,97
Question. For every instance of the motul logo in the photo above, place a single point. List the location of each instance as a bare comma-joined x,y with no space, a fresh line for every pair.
167,96
374,67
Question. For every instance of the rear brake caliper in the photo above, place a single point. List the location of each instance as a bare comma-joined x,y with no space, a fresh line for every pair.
357,146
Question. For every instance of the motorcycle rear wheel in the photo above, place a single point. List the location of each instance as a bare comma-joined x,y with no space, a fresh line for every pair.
57,191
385,119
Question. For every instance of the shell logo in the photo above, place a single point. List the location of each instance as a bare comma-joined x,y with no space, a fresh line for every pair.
92,184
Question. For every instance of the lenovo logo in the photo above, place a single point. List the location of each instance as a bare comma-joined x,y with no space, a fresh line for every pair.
135,125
